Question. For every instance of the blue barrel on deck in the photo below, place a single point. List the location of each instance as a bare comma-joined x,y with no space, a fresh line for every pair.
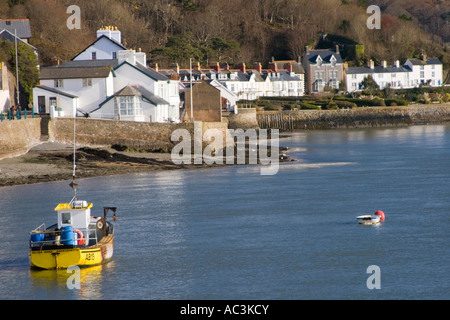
68,237
37,237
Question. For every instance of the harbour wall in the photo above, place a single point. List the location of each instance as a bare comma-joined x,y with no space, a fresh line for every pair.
137,136
362,117
18,136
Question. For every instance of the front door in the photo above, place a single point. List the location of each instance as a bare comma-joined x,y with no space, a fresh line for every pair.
41,104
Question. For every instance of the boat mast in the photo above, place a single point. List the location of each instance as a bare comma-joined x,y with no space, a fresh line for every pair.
73,184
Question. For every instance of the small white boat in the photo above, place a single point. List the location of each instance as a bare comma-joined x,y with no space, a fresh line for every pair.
368,219
371,219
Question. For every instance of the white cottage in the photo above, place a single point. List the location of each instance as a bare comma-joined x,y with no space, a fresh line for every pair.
80,85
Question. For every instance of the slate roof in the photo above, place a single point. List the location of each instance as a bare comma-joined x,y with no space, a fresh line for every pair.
376,69
281,75
40,86
90,63
136,90
325,55
7,35
59,72
147,71
22,27
429,61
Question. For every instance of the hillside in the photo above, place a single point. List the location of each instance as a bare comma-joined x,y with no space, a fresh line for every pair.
432,16
237,30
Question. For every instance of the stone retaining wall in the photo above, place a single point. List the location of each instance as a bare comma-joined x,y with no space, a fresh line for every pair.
354,118
18,136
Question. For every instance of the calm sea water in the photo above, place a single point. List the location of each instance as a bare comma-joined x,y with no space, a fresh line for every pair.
230,233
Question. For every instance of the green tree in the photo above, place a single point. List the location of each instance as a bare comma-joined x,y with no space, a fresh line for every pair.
369,84
28,71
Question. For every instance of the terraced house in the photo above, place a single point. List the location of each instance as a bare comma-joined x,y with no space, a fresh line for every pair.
413,73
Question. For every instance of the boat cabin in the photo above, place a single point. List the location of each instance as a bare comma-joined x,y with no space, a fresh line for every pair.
76,214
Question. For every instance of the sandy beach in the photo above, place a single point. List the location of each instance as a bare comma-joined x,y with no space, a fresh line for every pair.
52,161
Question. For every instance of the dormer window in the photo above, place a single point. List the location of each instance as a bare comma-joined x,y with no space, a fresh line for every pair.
333,61
319,61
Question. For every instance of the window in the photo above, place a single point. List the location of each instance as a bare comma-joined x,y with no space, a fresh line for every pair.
59,83
52,101
65,218
129,106
319,75
114,55
87,82
422,74
333,75
354,76
433,74
380,75
94,55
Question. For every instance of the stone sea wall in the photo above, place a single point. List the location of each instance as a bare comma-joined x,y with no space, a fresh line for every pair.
18,136
138,136
354,118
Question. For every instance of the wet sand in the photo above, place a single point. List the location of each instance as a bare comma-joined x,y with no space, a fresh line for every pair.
51,161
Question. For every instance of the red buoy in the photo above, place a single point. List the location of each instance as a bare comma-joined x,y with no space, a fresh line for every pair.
381,214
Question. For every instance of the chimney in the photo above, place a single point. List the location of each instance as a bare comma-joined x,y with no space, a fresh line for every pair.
288,67
397,64
154,66
371,64
257,66
197,66
242,67
424,57
384,64
176,67
273,66
226,67
337,48
299,59
111,32
216,67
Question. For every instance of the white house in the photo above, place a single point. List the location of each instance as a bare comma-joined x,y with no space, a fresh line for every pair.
89,83
138,85
107,81
425,71
413,73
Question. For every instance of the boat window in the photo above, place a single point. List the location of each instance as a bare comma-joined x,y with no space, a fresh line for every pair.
65,218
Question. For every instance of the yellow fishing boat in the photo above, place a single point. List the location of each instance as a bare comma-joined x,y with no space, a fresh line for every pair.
77,239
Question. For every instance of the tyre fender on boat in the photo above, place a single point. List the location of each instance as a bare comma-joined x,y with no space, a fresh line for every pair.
381,214
80,236
101,224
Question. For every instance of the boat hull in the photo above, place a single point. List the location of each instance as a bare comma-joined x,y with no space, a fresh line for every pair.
368,220
62,258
